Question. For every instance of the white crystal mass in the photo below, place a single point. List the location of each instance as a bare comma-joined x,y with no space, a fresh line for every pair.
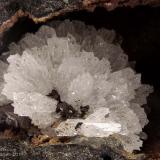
86,67
37,106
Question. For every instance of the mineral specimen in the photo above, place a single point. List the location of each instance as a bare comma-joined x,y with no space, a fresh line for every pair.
87,68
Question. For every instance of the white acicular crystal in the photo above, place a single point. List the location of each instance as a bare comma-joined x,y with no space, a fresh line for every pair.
99,124
103,129
87,68
40,108
27,73
80,89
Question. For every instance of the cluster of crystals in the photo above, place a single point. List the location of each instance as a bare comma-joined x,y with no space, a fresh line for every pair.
87,68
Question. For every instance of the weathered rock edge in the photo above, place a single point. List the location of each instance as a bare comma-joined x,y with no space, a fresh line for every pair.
42,10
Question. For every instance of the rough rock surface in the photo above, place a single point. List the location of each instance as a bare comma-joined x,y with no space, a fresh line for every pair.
12,149
41,10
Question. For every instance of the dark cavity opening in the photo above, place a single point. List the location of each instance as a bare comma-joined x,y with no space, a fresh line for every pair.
140,29
105,156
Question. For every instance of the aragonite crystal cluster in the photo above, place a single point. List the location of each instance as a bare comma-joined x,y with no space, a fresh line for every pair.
91,74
